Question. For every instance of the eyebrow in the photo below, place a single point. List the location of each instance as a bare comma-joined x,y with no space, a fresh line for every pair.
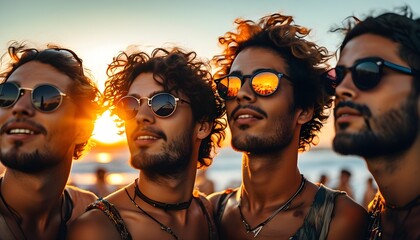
237,72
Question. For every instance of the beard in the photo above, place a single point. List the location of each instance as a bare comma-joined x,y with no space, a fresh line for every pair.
34,162
278,138
394,132
171,160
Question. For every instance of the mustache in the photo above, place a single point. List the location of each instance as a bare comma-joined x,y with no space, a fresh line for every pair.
252,107
363,109
33,124
155,131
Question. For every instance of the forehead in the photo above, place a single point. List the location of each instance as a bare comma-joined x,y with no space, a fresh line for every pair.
145,85
370,45
35,73
253,58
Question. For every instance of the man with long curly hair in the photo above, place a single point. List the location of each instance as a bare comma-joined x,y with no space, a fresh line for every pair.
269,76
48,107
173,121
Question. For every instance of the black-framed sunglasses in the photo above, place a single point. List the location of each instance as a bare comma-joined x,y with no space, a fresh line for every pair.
44,97
264,82
162,105
366,73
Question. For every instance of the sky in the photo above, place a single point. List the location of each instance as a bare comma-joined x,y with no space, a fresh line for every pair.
99,30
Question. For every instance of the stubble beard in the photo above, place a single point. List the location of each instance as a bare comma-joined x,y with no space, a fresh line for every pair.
34,162
273,141
394,132
171,160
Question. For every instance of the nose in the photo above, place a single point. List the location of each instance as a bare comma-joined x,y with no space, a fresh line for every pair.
245,93
346,89
23,105
144,114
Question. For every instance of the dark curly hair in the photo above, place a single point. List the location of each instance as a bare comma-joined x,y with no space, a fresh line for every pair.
306,62
84,91
181,71
399,27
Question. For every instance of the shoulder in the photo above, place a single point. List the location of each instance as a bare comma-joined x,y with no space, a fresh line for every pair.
349,219
80,199
217,198
92,225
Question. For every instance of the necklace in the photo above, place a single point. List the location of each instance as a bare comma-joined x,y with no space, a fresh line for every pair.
161,205
257,229
162,226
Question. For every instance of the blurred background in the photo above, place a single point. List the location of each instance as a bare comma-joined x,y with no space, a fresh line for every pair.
99,30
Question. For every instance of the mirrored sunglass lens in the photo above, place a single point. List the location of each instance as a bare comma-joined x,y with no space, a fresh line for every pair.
366,75
127,108
8,94
265,83
163,104
46,98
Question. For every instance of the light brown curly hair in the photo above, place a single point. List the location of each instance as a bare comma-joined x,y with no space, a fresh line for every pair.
306,62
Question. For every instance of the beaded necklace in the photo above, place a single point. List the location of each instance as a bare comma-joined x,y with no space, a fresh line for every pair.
257,229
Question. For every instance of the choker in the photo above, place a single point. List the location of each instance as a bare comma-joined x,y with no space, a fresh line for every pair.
257,229
161,205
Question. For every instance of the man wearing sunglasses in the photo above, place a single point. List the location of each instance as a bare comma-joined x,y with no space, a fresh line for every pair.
47,112
173,121
376,83
269,78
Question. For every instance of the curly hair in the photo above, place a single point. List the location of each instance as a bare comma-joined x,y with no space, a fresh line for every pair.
84,92
306,62
181,72
399,27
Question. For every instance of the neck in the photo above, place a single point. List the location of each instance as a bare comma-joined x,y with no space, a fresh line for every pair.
172,190
259,171
397,178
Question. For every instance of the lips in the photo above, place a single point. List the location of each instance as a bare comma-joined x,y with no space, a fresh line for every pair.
246,114
346,112
21,128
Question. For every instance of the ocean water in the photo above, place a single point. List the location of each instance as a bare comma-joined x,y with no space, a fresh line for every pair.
225,170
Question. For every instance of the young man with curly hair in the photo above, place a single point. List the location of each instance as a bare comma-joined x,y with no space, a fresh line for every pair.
377,115
269,76
48,107
173,122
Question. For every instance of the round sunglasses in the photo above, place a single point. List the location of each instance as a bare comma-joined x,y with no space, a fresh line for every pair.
263,82
366,73
45,97
162,105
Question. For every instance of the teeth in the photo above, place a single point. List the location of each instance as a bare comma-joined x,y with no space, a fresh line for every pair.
146,138
245,116
21,131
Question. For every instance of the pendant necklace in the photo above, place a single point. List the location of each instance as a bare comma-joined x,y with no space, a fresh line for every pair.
257,229
161,205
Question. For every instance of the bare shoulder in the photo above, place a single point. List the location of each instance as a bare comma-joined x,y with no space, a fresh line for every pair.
349,220
81,199
92,225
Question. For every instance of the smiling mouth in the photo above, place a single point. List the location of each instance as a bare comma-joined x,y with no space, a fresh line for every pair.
24,131
146,138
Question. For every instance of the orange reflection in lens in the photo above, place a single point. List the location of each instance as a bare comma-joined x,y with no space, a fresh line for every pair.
265,83
234,86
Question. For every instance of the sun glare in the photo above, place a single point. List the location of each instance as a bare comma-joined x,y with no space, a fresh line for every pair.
106,131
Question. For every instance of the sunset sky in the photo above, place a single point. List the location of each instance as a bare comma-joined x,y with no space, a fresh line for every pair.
98,30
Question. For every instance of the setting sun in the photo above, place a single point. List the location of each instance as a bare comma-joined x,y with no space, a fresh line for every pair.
106,130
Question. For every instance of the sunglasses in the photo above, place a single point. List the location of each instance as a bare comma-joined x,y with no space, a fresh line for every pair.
264,82
366,73
45,97
162,105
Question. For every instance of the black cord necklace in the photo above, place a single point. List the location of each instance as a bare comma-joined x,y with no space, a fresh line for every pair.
162,226
161,205
257,229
